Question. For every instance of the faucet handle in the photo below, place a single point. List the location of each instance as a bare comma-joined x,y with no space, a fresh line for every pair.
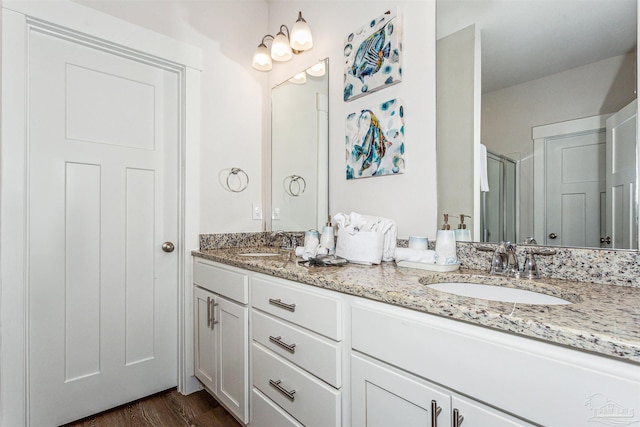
530,268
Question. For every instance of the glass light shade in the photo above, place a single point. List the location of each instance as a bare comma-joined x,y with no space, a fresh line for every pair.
280,49
261,59
301,38
317,70
299,79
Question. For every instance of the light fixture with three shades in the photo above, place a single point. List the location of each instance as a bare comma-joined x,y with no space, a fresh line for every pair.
283,46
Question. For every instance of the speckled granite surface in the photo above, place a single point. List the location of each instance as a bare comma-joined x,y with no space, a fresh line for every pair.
604,319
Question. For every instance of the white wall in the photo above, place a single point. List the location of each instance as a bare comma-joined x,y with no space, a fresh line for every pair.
509,114
235,110
409,199
234,95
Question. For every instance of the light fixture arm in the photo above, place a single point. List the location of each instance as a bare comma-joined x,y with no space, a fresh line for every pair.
286,28
265,37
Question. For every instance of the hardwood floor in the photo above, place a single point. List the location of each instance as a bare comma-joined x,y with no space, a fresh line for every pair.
166,409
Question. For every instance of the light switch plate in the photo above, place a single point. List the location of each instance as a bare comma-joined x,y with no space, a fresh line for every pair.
256,211
275,214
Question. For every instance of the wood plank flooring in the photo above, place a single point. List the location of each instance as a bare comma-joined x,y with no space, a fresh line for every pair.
166,409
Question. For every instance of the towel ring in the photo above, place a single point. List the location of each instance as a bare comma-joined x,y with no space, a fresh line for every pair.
237,172
297,189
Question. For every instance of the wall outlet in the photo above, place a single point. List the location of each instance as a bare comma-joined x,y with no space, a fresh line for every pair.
275,214
256,211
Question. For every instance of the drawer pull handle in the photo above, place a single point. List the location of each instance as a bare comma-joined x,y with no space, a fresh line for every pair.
213,313
291,348
208,312
278,303
288,394
457,418
435,411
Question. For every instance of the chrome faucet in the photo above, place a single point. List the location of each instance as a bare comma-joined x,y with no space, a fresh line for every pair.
290,237
505,261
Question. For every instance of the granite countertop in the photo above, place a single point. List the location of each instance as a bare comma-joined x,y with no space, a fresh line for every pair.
603,319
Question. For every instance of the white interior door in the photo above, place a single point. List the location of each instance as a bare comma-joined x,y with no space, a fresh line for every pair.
103,189
575,167
621,217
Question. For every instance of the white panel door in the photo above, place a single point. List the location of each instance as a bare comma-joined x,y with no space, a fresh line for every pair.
103,188
575,167
621,218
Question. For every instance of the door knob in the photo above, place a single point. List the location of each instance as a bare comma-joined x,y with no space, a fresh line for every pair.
606,240
553,236
168,247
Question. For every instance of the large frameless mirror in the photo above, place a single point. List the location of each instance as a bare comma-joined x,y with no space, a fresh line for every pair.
549,88
300,149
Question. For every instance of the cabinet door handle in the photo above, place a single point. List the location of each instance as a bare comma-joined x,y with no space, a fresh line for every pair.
288,394
208,312
278,303
291,348
213,313
457,418
435,411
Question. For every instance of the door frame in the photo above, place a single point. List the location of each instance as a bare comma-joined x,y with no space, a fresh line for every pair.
90,27
546,134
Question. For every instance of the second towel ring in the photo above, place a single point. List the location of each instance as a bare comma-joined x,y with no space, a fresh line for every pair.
294,185
237,172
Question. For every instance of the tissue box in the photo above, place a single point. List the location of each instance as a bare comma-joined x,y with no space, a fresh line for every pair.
363,247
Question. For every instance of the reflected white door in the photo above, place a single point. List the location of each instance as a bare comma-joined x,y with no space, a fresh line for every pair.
103,197
575,166
621,217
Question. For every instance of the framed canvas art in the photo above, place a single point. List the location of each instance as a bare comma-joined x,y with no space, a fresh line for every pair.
375,140
372,56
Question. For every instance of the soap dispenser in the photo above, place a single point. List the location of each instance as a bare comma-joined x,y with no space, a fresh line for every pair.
327,239
446,244
463,234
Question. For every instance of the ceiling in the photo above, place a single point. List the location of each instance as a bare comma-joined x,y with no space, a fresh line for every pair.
523,40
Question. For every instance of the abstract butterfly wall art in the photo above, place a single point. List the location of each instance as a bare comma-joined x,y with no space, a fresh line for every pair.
372,56
375,141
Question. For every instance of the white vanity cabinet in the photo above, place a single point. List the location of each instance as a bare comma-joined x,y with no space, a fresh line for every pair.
315,357
221,330
499,374
296,354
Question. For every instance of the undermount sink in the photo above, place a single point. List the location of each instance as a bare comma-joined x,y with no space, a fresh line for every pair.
498,293
259,254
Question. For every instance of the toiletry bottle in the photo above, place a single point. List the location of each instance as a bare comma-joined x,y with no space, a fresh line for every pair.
446,244
463,234
327,240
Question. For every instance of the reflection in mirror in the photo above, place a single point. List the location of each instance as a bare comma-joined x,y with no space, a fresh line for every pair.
299,150
542,72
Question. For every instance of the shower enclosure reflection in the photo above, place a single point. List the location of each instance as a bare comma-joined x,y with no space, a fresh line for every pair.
498,212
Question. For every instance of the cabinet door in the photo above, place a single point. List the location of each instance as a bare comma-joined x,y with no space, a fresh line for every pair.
478,415
383,396
232,335
204,339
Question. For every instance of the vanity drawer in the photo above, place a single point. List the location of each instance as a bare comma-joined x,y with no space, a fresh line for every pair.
223,281
319,356
268,414
311,402
312,310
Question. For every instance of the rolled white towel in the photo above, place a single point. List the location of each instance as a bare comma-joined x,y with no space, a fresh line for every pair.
415,255
308,254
